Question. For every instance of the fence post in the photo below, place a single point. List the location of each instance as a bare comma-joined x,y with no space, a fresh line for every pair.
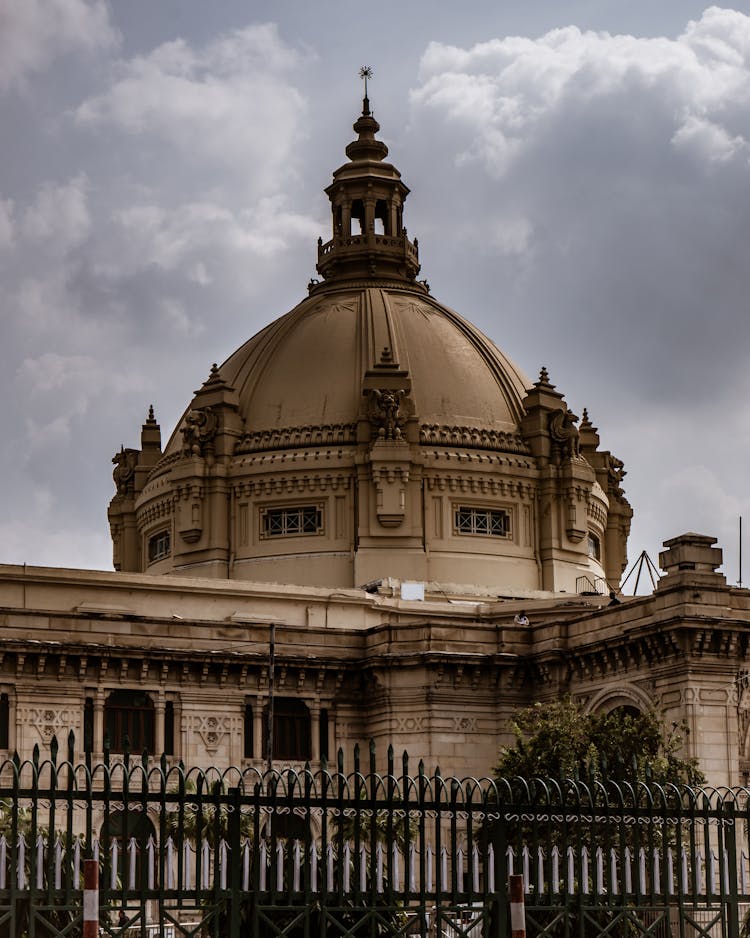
730,845
235,859
517,909
90,899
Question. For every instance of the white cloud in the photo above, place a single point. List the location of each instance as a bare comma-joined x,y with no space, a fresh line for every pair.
59,215
33,33
7,226
226,107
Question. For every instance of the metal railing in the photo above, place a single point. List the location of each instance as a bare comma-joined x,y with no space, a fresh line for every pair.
238,853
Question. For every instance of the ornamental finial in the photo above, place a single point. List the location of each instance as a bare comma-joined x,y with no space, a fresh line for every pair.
364,73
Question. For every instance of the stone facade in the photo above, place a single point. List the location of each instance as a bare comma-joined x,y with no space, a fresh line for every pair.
439,677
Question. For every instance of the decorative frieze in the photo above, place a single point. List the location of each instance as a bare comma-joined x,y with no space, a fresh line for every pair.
502,441
155,511
331,434
480,485
292,485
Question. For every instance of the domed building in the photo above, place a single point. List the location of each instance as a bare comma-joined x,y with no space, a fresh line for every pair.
371,433
368,525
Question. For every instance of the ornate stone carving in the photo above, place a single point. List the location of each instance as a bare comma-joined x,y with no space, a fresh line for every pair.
49,722
298,437
464,724
615,474
124,472
211,728
564,432
473,437
199,431
385,412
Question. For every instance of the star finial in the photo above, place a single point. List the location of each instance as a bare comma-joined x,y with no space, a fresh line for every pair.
364,73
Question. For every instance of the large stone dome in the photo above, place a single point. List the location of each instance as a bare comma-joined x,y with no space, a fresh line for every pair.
372,432
308,369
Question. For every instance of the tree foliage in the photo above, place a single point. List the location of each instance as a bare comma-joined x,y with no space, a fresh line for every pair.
559,740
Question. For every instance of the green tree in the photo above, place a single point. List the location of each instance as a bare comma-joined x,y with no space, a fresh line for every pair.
559,740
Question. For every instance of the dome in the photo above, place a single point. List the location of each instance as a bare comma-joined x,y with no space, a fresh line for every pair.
308,369
372,432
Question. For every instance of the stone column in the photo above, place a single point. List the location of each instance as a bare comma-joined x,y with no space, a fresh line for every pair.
315,731
258,729
98,741
159,708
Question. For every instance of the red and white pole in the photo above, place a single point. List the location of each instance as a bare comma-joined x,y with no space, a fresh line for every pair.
90,899
517,909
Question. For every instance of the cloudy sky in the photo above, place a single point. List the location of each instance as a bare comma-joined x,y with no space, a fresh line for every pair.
580,175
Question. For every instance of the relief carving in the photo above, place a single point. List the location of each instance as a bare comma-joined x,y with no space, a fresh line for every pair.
211,729
49,722
199,431
385,413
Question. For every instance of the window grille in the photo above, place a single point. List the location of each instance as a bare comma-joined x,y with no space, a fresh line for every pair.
286,522
159,546
490,522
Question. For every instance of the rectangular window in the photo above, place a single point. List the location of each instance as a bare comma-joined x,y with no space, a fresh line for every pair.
489,522
287,522
159,546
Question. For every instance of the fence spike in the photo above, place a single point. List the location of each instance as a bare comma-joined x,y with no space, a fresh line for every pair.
313,867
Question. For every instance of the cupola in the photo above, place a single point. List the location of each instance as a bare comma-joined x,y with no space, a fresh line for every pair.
367,201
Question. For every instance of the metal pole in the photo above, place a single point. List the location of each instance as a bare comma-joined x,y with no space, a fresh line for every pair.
90,899
269,716
517,908
740,580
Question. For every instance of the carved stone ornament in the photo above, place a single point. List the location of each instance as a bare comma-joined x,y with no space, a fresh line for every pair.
199,431
385,413
564,432
615,474
124,472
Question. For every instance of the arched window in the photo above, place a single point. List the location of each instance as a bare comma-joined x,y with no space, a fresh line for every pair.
129,717
382,218
291,730
358,217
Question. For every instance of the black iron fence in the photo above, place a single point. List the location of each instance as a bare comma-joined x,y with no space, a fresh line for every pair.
233,852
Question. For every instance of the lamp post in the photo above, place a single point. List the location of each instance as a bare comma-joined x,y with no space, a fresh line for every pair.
269,714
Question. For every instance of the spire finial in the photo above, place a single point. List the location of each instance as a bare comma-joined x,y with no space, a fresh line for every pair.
364,73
